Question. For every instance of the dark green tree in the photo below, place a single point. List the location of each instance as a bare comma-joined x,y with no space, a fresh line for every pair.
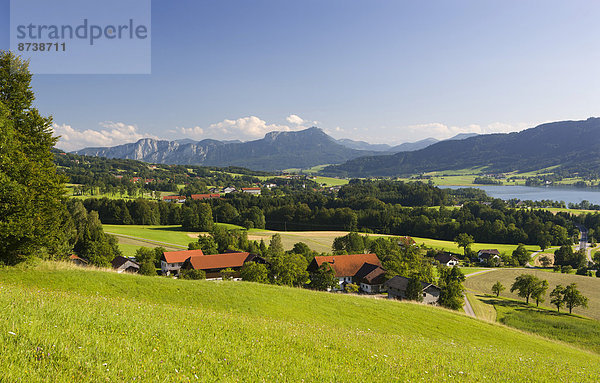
521,255
556,297
450,282
289,269
255,272
147,268
31,192
539,291
414,290
497,288
275,247
324,278
525,284
573,297
465,241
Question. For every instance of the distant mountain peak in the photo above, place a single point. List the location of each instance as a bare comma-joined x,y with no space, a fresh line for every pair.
276,151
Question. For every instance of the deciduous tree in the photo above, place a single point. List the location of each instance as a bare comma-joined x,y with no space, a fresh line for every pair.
255,272
31,192
539,291
414,290
573,297
324,278
465,241
525,285
497,288
556,297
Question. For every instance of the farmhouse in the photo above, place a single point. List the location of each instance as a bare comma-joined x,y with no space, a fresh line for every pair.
122,264
174,198
396,288
171,261
355,268
446,259
228,190
371,278
486,255
255,191
213,264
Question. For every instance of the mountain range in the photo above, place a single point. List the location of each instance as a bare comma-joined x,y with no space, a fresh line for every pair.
276,151
570,146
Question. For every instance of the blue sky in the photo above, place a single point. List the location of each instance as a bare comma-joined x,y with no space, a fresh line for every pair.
379,71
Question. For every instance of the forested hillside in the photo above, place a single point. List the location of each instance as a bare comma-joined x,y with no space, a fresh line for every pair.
572,146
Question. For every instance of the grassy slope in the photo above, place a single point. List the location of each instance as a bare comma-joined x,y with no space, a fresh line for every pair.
453,247
589,286
579,331
320,241
73,324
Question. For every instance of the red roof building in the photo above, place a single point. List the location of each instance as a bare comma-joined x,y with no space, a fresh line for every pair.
171,261
213,264
363,269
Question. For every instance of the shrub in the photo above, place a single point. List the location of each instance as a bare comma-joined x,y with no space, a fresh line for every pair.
227,274
566,269
192,274
352,288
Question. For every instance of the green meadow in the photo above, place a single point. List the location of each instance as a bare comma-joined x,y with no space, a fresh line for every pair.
589,286
579,331
321,241
453,247
62,323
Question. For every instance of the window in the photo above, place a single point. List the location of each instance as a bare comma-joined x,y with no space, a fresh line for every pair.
424,295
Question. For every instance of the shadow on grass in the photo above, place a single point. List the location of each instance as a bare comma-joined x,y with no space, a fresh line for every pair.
177,228
518,305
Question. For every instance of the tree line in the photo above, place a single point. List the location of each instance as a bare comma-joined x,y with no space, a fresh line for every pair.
528,286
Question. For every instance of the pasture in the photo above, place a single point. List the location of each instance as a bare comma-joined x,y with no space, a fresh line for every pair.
589,286
63,323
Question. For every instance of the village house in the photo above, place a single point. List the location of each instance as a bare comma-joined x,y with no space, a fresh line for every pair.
446,259
174,198
396,289
254,191
125,265
362,269
488,255
213,264
228,190
171,261
370,278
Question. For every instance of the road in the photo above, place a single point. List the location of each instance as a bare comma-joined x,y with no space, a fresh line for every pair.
467,307
583,242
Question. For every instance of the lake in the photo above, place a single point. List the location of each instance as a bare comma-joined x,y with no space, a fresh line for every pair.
555,193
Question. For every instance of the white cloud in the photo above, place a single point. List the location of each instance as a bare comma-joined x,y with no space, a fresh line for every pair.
244,128
441,131
294,119
111,134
